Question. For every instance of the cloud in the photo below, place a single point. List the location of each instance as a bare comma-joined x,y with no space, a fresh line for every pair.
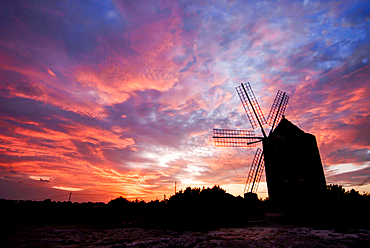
350,179
120,97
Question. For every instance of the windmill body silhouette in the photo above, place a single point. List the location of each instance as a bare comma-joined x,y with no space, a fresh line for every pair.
291,157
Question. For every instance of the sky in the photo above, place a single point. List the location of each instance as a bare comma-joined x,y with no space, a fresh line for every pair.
119,98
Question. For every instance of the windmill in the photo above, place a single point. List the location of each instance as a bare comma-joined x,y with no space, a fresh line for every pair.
290,157
244,138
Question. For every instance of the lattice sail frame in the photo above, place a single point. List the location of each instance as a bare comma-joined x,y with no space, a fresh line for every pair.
255,172
234,138
277,108
244,138
250,104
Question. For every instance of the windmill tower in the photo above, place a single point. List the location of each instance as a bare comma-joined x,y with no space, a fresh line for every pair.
290,156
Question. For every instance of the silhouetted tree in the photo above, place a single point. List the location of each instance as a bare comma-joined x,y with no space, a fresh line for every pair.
120,201
335,190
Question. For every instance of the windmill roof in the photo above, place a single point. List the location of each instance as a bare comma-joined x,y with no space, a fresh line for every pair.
286,128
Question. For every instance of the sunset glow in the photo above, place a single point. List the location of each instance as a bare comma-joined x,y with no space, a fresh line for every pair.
119,98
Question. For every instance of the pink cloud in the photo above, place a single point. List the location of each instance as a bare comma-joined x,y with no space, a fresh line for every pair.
121,98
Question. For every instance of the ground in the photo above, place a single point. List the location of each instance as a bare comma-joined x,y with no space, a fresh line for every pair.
265,235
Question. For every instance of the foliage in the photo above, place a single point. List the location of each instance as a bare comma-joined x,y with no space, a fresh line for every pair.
120,201
335,191
196,208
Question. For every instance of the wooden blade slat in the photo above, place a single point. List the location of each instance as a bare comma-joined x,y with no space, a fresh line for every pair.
234,138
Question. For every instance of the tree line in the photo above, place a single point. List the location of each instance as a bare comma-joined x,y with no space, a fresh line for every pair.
196,208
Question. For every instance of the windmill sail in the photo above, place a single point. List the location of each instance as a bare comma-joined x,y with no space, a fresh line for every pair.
277,109
243,138
251,105
255,172
234,138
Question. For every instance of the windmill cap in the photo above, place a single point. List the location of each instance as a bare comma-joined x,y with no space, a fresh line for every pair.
285,127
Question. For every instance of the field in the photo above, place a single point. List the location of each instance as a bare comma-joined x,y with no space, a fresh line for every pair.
259,234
